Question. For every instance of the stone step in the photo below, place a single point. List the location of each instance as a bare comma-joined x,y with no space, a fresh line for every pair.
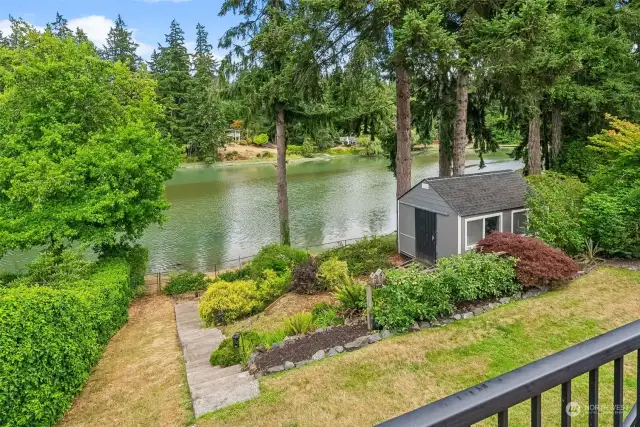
202,352
223,398
197,364
197,338
221,386
196,379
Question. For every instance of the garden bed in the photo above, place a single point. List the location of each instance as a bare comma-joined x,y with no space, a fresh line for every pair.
303,348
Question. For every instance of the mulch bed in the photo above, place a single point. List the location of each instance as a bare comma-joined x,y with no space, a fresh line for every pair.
305,347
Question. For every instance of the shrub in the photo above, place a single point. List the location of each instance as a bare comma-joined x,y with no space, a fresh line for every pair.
351,296
224,302
261,139
366,255
474,276
233,275
226,355
278,258
538,264
410,295
185,281
304,277
324,315
271,285
333,273
298,324
53,268
554,210
52,336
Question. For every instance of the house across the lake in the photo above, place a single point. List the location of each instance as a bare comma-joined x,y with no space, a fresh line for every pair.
440,217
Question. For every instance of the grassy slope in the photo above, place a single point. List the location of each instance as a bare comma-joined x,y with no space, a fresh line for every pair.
140,381
408,371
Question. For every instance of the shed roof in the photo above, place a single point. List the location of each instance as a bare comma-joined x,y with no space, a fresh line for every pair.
481,193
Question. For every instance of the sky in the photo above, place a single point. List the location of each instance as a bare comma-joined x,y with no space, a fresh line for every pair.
148,19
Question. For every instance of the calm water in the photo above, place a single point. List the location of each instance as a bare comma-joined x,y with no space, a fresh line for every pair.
220,213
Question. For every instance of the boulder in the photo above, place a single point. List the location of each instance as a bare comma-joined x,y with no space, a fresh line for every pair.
318,355
504,300
415,327
386,334
457,316
374,338
467,315
424,325
302,363
289,365
274,369
338,348
332,352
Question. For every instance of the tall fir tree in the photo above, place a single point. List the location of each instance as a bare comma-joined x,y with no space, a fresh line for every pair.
60,27
205,123
121,46
171,66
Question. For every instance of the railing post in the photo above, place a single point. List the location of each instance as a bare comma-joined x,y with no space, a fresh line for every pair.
593,398
618,378
565,419
536,411
503,418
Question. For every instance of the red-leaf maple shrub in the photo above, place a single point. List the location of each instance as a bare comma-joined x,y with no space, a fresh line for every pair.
538,263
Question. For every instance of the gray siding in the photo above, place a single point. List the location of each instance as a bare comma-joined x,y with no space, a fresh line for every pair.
447,238
427,199
406,230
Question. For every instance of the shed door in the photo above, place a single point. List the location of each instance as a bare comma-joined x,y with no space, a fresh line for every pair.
426,235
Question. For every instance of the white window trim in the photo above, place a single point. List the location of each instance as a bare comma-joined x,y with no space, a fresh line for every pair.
515,212
483,217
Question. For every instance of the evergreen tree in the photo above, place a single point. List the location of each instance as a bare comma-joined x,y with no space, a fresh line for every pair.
60,27
81,36
171,66
120,45
206,124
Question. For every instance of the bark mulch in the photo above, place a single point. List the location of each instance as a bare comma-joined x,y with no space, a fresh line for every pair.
305,347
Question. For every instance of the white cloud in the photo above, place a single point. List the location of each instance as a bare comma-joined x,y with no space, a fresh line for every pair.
96,27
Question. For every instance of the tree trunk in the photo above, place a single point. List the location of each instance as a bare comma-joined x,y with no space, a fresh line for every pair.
556,135
403,129
283,199
534,160
460,139
372,129
444,160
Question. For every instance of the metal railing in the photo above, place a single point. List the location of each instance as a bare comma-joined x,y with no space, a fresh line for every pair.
496,396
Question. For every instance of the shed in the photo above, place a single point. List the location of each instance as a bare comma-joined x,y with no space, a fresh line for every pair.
440,217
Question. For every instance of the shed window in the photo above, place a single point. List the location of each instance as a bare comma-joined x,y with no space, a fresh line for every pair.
519,221
479,228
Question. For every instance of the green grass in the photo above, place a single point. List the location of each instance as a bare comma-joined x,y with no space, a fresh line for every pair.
407,371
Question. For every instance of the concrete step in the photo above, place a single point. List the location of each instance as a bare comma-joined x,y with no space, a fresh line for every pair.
223,397
226,382
210,373
199,334
197,364
195,354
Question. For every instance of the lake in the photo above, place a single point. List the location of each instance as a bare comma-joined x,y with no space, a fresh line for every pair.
221,213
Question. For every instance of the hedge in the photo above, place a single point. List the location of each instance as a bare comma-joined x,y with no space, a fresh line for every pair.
52,337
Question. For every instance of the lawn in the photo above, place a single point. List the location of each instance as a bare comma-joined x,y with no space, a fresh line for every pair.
140,381
405,372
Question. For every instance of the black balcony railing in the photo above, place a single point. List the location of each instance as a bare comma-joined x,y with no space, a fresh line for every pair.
499,394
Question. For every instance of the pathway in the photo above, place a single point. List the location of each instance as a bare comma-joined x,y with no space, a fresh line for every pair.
211,387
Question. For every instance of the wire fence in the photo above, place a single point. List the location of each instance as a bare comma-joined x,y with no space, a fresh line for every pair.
237,262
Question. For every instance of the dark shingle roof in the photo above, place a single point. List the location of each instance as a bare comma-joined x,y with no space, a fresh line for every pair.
481,193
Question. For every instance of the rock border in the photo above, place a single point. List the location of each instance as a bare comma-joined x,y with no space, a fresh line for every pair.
374,337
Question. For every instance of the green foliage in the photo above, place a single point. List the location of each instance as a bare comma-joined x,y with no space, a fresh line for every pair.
185,281
333,273
54,268
233,275
66,327
473,276
261,139
410,295
271,285
611,221
555,203
121,46
325,315
278,258
366,255
69,172
226,355
223,302
298,324
351,296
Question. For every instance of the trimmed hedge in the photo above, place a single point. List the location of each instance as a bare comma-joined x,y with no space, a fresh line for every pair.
366,255
52,337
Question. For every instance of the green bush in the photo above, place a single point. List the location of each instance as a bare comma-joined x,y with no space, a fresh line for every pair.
278,258
225,355
351,296
333,273
609,220
554,206
298,324
271,285
366,255
136,256
324,315
261,139
474,276
51,338
410,295
233,275
180,283
223,302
